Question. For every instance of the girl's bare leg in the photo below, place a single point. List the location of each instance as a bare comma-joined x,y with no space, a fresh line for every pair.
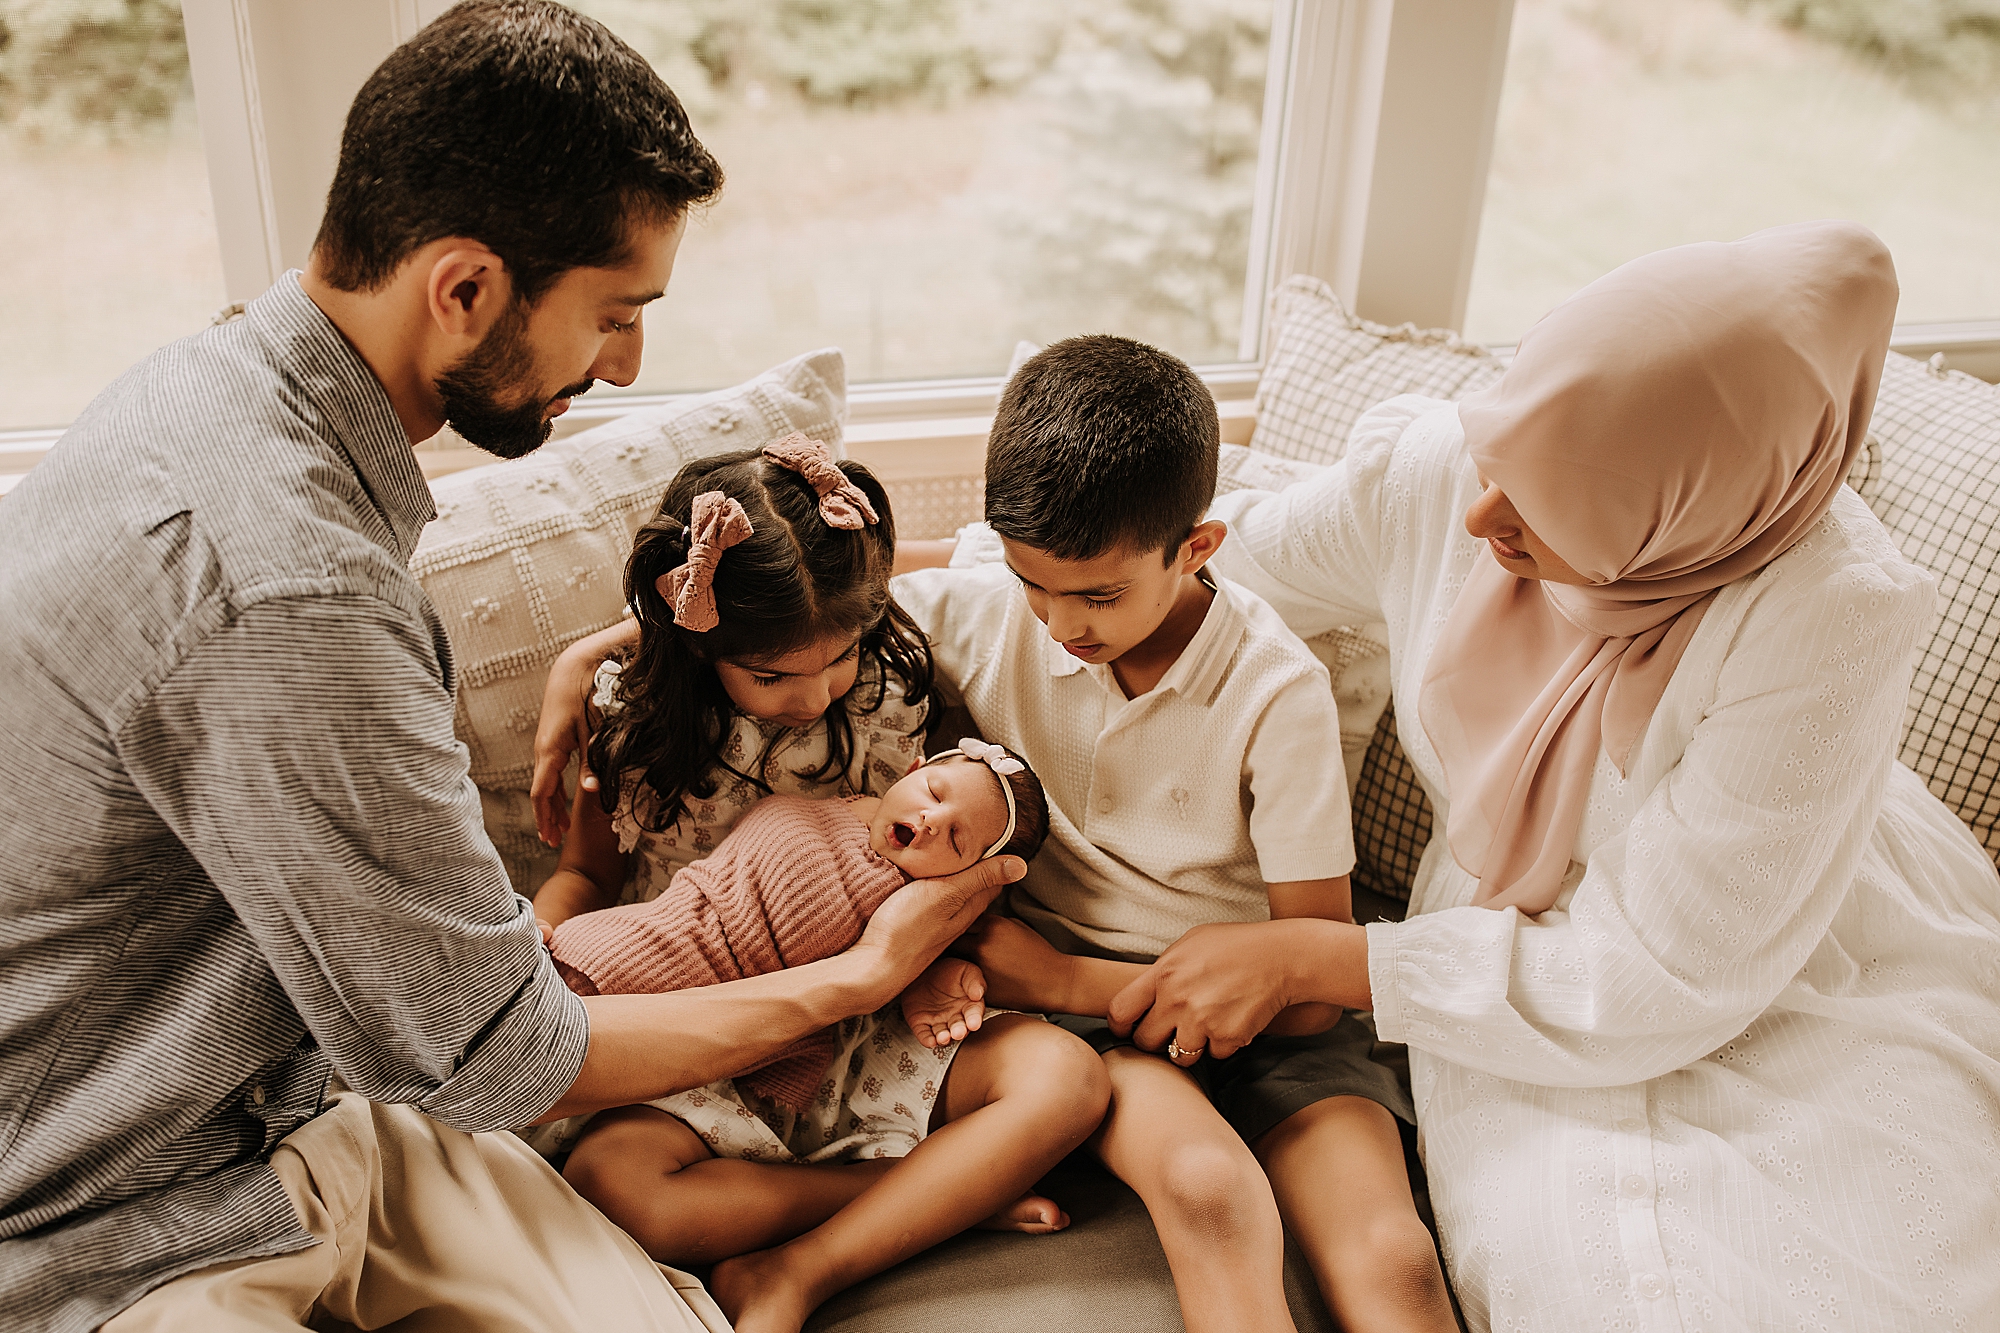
1207,1195
1337,1170
653,1176
1019,1096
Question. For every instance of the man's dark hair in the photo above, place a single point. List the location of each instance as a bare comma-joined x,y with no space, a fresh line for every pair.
1101,443
520,124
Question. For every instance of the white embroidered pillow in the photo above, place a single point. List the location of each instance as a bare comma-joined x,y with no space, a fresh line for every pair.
526,557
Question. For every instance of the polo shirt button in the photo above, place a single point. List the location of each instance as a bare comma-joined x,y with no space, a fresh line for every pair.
1630,1124
1634,1186
1104,805
1652,1286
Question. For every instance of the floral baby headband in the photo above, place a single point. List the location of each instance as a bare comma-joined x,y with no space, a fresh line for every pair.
1003,764
716,523
841,503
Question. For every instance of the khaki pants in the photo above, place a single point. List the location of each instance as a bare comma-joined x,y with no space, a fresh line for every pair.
428,1230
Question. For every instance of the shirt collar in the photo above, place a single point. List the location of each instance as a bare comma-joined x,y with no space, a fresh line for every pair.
1200,667
312,352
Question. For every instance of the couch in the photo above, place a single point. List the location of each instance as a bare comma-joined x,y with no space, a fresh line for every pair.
525,558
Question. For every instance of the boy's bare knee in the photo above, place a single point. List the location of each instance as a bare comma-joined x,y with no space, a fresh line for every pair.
1395,1256
1211,1190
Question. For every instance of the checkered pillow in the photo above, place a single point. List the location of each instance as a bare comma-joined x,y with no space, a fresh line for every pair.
1326,368
1939,496
527,557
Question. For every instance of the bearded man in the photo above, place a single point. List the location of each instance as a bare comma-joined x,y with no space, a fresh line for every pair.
242,853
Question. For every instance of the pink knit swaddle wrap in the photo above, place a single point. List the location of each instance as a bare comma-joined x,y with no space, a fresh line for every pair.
793,883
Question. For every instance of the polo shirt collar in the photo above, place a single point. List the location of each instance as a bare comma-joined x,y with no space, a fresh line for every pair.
1197,672
311,351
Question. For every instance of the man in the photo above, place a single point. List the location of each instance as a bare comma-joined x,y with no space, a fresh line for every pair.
241,849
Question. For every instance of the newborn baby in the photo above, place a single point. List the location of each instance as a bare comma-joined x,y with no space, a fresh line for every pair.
796,881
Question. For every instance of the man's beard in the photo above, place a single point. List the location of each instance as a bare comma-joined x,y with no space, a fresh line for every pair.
472,391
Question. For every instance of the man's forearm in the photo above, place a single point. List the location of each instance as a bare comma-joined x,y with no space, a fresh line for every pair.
647,1046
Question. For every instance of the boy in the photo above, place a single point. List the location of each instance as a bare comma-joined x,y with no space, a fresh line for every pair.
1190,751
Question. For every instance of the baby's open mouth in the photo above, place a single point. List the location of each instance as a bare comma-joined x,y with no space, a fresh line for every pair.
901,835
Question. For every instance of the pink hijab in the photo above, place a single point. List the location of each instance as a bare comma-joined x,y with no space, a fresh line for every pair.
1671,428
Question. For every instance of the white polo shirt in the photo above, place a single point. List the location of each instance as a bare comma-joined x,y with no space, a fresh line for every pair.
1168,811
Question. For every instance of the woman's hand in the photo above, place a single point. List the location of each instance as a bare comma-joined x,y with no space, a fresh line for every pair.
945,1004
564,728
1219,986
915,923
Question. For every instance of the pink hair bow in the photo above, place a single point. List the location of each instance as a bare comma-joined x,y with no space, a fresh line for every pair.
716,523
841,503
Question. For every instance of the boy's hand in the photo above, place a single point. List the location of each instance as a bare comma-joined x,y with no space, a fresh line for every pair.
945,1004
1023,970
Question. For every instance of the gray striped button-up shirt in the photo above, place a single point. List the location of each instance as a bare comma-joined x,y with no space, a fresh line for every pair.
238,844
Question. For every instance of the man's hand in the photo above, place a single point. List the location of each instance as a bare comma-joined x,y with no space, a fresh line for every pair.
945,1004
915,923
1219,986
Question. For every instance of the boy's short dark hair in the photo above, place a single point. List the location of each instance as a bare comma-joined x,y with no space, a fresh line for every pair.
520,124
1099,443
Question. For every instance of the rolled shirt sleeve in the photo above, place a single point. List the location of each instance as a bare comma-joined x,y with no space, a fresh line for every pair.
303,753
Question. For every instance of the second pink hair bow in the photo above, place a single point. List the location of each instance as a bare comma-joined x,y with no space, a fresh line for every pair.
841,503
716,523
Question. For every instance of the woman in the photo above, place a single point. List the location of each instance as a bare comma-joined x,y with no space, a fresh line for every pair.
1701,987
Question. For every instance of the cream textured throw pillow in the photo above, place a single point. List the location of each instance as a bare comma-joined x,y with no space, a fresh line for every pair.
527,557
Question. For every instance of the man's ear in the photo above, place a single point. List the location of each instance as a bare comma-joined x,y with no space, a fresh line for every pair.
466,290
1202,544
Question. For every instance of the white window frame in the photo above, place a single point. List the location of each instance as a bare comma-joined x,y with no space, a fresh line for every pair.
1359,90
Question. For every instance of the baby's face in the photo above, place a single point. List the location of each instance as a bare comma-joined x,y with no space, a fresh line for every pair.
939,819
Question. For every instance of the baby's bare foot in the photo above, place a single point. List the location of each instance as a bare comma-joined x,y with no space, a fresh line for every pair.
1031,1213
760,1293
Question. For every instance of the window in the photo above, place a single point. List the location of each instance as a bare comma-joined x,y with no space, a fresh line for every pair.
107,237
925,183
1629,125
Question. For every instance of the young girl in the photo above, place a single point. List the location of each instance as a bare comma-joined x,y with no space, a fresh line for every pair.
771,658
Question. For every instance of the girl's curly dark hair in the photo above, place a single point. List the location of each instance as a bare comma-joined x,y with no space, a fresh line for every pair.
794,582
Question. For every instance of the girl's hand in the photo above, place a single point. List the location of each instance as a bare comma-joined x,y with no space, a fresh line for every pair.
564,728
945,1004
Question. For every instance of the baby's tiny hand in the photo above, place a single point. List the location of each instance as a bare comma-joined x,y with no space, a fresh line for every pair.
946,1003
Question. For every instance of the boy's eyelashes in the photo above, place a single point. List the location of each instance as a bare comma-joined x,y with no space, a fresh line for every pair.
1099,603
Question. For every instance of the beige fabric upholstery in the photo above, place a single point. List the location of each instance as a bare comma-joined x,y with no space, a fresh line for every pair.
526,557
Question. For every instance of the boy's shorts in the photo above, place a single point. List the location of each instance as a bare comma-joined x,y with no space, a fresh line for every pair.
1273,1077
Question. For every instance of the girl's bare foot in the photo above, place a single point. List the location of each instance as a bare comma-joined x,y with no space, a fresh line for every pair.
761,1293
1031,1214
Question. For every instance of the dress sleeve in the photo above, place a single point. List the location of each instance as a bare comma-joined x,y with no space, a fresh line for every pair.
1316,551
304,756
892,736
1689,923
